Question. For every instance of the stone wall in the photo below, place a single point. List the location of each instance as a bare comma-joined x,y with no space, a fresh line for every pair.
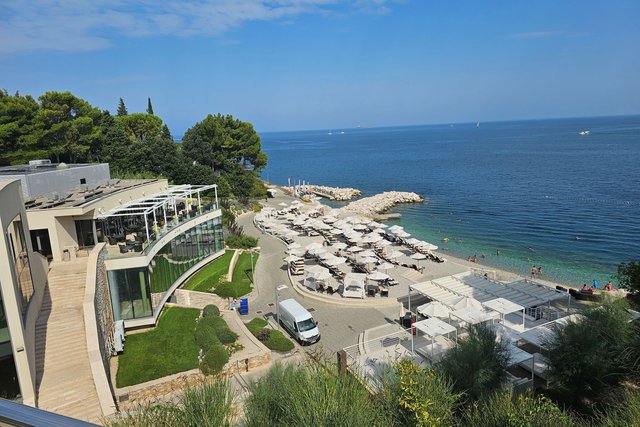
167,388
104,313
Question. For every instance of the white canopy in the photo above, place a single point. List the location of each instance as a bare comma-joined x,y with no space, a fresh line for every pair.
395,254
314,245
418,256
403,234
433,327
367,260
372,238
355,249
377,275
335,261
503,306
354,285
317,251
466,302
385,266
472,315
367,252
434,309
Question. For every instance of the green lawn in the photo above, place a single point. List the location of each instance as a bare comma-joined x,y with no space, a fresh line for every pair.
276,340
242,278
168,349
209,275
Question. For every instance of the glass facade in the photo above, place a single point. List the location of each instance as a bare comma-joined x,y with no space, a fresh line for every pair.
9,386
135,291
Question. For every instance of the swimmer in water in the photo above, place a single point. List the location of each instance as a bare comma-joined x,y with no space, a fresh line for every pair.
531,249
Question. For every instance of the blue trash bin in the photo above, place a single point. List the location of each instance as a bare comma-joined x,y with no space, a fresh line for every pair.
244,306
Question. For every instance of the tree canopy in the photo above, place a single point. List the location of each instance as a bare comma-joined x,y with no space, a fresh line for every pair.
64,128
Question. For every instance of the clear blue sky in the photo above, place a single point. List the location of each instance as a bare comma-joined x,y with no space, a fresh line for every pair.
323,64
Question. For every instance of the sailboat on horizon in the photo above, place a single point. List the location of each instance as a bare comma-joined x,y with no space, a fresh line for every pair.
478,124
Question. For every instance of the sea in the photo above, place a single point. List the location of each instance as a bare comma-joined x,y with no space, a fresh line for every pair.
515,194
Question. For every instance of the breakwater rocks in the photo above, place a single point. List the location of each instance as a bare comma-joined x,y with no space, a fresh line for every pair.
370,206
335,193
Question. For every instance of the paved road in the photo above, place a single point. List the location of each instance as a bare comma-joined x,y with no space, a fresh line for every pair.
339,325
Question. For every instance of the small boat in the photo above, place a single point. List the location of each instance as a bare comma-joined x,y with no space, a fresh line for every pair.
585,132
329,133
478,124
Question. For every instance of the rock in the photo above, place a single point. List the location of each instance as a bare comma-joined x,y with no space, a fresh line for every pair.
369,206
335,193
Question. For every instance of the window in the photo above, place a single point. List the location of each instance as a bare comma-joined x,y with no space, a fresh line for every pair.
22,267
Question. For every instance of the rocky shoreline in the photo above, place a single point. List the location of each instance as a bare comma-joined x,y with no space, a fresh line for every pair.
335,193
375,205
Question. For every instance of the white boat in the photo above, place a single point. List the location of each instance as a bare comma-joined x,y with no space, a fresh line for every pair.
585,132
478,124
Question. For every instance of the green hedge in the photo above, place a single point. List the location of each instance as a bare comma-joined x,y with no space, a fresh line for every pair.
211,311
241,241
214,360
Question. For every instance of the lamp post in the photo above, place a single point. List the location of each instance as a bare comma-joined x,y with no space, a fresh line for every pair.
278,289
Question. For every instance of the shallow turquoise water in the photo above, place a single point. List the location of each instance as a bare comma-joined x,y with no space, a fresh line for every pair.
536,190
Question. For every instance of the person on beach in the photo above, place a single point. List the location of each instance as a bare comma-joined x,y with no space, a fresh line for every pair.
595,284
540,270
585,288
534,270
497,252
608,286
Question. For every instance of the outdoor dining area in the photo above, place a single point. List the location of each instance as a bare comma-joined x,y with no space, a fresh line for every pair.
134,226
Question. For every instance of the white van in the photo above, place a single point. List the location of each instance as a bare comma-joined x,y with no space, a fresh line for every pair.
298,322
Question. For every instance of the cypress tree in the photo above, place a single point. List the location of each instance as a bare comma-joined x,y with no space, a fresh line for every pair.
149,107
122,110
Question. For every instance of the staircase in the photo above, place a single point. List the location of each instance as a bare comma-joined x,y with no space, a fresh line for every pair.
63,375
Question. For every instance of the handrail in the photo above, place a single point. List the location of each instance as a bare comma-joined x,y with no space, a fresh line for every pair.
16,414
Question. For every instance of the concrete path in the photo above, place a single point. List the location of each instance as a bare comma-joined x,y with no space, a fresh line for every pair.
63,378
339,325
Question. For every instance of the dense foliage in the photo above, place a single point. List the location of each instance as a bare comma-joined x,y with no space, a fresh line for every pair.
629,276
594,354
477,364
210,404
64,128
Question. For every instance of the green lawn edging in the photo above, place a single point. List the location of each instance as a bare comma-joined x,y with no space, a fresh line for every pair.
168,349
208,277
273,339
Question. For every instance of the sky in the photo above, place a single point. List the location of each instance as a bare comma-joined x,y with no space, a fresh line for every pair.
329,64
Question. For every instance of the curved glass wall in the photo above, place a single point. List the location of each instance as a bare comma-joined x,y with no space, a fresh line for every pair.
135,292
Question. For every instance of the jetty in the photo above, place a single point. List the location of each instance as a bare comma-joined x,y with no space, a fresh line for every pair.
335,193
375,205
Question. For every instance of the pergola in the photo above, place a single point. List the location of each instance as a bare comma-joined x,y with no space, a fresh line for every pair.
433,328
504,307
149,205
472,315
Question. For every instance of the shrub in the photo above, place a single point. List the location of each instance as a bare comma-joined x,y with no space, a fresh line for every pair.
507,409
205,333
414,396
477,364
255,325
240,241
588,357
221,329
256,207
309,395
232,290
625,413
211,310
214,360
210,404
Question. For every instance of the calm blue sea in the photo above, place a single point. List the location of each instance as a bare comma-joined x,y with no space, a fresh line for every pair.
536,190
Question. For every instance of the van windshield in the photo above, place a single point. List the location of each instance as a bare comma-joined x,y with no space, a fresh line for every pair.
306,325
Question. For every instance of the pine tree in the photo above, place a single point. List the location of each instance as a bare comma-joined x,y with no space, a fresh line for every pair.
149,107
122,110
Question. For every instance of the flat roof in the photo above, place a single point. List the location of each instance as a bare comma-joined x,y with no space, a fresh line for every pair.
82,194
40,168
